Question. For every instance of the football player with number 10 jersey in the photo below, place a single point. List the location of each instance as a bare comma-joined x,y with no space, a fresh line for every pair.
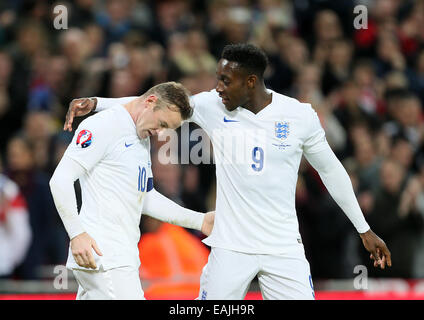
110,155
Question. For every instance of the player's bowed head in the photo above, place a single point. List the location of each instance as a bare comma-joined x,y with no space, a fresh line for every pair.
164,106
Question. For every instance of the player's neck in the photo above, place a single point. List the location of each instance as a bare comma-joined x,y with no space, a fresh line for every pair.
259,100
133,109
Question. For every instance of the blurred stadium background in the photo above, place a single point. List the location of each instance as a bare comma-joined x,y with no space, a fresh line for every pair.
367,86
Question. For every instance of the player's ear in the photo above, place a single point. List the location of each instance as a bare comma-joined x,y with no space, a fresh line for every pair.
151,100
251,81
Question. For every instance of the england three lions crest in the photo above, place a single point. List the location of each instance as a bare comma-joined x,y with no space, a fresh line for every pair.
282,129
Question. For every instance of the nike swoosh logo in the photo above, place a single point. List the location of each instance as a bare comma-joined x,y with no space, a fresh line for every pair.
229,120
128,145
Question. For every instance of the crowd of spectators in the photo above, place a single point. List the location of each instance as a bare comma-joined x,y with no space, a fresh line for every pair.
366,84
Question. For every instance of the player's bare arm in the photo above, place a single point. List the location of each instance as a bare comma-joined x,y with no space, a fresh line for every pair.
378,249
81,247
78,108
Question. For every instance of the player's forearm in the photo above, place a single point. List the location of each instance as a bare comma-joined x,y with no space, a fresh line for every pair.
339,185
160,207
62,189
105,103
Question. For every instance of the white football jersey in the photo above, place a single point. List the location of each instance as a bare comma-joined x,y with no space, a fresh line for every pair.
118,175
257,159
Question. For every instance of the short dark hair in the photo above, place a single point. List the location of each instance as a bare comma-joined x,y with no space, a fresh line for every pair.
173,93
248,56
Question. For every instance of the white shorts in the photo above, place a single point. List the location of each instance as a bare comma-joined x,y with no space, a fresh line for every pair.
228,274
121,283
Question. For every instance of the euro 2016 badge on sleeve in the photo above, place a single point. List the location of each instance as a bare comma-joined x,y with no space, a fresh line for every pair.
282,129
84,138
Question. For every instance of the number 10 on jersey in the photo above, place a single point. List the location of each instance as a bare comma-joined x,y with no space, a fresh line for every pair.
142,178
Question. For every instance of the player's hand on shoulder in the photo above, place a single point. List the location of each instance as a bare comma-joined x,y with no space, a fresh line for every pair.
81,247
208,222
377,249
78,108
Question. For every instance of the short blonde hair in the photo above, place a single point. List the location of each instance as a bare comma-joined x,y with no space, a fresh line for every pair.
172,93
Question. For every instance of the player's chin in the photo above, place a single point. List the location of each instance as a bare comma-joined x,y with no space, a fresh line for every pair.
144,134
229,106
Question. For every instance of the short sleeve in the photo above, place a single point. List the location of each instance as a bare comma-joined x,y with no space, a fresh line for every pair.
90,142
315,138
